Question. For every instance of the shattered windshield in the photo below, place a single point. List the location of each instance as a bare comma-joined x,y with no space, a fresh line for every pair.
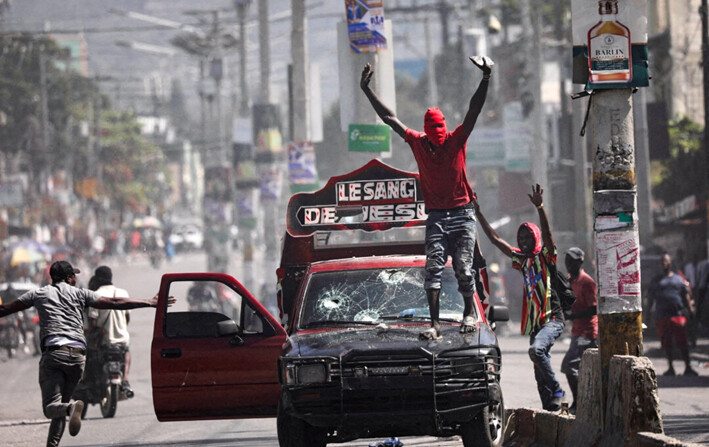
372,296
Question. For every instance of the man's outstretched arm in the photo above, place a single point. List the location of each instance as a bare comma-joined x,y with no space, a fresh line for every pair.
491,234
478,98
385,113
116,302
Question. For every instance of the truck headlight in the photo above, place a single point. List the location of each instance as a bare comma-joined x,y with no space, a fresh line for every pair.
306,373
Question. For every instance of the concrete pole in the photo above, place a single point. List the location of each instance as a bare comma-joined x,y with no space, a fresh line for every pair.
582,197
299,55
616,228
538,151
705,70
241,9
642,160
264,51
430,65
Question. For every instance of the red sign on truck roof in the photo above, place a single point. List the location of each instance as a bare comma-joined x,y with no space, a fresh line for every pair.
375,197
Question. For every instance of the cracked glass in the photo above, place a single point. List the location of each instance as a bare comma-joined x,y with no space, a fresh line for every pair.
373,296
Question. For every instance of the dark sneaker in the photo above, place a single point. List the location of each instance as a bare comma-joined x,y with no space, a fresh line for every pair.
690,372
75,417
670,372
555,403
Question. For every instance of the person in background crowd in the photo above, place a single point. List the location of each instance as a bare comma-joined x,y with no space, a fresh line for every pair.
584,328
113,323
673,304
542,316
60,307
447,195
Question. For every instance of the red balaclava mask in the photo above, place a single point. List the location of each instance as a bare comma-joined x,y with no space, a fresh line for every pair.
434,125
536,234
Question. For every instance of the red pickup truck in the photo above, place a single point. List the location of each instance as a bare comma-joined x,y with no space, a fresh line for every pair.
344,361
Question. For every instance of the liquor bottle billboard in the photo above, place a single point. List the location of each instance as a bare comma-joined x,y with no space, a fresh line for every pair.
610,43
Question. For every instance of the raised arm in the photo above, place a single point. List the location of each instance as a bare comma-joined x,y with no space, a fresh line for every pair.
536,199
478,98
116,302
385,113
491,234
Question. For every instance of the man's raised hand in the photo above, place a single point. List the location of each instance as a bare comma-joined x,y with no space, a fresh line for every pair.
483,62
536,196
367,73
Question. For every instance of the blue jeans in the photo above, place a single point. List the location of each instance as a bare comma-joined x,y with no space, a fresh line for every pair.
59,373
539,351
451,233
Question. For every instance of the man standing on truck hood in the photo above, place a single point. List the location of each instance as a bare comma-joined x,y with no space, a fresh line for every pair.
450,226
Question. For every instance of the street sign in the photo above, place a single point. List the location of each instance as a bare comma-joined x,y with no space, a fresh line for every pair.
369,138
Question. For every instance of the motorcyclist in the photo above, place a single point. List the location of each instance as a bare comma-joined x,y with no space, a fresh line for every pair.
109,327
202,296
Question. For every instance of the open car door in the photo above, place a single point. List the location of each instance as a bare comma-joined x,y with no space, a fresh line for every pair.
214,352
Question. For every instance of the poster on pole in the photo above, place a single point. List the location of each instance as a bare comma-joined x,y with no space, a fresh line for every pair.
610,43
302,172
618,257
365,25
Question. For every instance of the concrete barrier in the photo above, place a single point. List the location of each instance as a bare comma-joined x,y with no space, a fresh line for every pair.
632,416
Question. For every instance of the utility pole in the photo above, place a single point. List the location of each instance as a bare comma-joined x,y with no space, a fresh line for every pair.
538,146
45,117
705,70
299,56
241,10
616,228
264,51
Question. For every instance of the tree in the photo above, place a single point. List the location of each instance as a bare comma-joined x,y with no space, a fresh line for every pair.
684,173
134,170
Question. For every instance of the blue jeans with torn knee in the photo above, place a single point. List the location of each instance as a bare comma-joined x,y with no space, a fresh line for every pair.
539,352
451,232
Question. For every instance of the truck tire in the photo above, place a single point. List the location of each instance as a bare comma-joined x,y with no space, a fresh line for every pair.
487,428
294,432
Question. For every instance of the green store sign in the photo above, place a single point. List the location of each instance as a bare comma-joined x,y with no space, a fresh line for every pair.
369,138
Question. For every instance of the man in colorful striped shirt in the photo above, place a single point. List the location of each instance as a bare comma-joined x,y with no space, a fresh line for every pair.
542,316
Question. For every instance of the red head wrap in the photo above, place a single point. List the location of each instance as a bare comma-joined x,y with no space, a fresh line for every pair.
434,125
536,234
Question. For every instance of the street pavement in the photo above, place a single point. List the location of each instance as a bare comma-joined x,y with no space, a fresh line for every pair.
683,400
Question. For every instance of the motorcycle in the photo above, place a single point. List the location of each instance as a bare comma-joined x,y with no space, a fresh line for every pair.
102,383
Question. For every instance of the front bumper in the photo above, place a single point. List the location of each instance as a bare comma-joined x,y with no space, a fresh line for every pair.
415,393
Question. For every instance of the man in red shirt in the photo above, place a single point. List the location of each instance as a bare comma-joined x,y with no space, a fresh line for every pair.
584,329
450,226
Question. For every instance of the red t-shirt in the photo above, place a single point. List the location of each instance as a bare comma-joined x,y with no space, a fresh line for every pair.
443,177
585,290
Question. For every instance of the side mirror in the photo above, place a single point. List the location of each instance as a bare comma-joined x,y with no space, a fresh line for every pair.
227,327
498,313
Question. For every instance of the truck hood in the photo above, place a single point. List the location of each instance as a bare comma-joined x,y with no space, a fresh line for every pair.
338,342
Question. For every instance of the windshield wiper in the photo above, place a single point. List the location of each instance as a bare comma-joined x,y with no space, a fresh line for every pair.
411,317
339,323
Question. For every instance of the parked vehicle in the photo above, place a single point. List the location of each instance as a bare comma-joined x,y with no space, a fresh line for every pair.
103,379
350,363
187,237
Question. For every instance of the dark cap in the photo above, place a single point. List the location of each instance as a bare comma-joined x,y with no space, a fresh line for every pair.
575,253
104,273
61,270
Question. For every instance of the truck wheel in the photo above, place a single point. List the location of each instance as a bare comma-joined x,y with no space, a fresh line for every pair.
487,428
294,432
109,401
